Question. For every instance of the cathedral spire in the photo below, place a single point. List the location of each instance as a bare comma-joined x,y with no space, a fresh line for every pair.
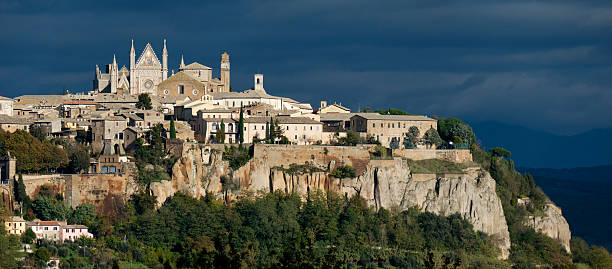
114,61
182,63
164,62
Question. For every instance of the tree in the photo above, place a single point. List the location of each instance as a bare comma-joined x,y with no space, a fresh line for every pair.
42,254
172,129
144,101
84,214
392,111
220,134
79,157
28,237
432,137
451,127
38,132
20,193
352,138
345,171
412,137
241,127
500,152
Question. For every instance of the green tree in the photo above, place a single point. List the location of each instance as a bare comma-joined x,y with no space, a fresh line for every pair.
42,254
20,193
49,208
220,134
79,157
352,138
172,129
39,132
392,111
241,127
84,214
432,138
9,247
500,152
345,171
599,258
28,236
144,101
412,137
451,127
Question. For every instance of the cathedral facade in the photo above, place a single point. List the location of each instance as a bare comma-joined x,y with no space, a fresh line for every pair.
150,75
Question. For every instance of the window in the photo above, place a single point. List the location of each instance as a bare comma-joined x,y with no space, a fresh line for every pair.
381,125
254,127
373,125
392,125
166,92
398,125
295,137
287,128
195,92
181,89
311,128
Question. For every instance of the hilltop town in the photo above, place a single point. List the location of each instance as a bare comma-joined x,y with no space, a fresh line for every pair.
108,161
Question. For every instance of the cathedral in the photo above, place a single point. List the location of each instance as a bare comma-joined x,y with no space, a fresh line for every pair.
148,74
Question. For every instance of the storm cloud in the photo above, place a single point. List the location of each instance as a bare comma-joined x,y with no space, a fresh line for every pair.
546,65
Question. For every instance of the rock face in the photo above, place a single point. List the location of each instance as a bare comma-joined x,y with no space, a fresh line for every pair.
382,183
552,224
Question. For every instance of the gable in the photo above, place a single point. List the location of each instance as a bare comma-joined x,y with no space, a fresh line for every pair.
148,59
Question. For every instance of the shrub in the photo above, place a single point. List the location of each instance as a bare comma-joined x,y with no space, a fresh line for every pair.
345,171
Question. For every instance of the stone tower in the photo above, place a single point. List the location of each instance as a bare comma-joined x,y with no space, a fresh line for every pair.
164,62
225,71
114,75
258,79
132,65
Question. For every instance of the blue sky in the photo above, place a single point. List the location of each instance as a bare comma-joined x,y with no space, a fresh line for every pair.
545,65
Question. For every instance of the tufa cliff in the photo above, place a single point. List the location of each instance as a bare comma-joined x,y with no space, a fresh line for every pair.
382,183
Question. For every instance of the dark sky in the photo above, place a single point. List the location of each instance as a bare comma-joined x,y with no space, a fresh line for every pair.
546,65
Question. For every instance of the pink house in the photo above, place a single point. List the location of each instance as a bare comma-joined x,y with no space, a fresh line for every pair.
73,232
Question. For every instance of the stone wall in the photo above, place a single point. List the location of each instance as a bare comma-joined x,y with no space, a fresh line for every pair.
451,155
33,182
77,189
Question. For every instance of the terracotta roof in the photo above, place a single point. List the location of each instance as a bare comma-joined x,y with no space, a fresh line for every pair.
182,76
48,223
336,116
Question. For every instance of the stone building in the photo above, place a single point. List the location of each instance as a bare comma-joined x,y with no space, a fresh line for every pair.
107,135
6,106
77,108
385,128
333,108
15,225
12,124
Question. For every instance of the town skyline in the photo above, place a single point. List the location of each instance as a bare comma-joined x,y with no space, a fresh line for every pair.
491,67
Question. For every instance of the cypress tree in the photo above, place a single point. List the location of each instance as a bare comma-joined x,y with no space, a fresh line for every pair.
241,127
172,129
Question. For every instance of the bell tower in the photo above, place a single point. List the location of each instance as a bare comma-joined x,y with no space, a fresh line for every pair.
225,71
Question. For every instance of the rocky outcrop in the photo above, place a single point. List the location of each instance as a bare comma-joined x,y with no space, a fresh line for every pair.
198,171
553,224
382,183
388,183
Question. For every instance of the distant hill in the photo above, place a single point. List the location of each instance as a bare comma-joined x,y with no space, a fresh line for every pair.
596,173
531,148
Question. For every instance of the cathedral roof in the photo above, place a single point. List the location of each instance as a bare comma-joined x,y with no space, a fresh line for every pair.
196,66
181,76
